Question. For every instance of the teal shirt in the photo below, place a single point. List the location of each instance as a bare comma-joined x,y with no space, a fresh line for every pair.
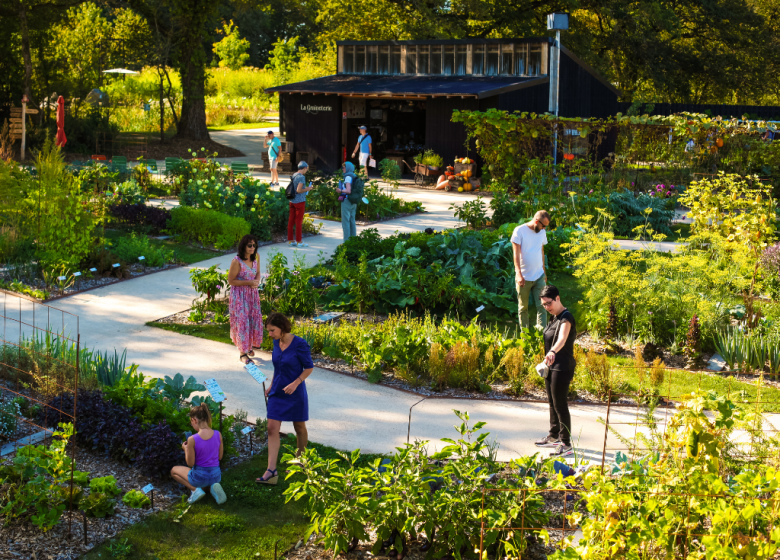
274,147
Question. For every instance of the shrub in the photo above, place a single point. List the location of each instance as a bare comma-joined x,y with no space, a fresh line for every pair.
463,363
129,248
631,212
389,170
597,376
129,192
152,218
208,227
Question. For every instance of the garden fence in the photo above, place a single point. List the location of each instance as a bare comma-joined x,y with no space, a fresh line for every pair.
38,362
620,452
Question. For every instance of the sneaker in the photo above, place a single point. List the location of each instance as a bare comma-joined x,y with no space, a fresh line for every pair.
548,441
197,494
302,244
562,450
292,243
218,493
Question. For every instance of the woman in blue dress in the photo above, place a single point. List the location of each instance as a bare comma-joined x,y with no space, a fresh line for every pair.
287,398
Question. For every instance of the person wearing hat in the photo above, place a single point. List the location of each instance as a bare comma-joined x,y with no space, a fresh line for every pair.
364,146
274,151
298,206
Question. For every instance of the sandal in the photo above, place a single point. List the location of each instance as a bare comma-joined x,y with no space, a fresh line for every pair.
248,359
273,479
251,353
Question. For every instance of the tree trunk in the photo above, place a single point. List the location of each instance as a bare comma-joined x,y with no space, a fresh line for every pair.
26,56
192,67
162,109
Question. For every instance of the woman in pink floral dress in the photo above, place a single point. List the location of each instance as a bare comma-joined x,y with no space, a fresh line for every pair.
246,319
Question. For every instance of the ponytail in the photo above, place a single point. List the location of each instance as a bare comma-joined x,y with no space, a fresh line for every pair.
201,413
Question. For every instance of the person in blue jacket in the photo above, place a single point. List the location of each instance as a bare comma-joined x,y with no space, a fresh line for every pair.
287,397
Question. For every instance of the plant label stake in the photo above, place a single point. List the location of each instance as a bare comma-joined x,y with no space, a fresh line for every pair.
149,488
217,394
77,277
480,308
85,526
142,260
258,375
245,431
117,265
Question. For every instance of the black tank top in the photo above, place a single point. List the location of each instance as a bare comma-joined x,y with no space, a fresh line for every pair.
564,360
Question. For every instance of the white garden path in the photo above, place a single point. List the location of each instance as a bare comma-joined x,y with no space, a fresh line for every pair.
346,413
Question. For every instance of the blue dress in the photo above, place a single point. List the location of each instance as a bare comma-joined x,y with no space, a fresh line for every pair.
289,365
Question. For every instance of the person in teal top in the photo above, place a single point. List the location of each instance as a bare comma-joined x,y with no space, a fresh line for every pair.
274,151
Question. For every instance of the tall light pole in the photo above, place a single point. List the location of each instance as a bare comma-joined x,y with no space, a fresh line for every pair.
559,22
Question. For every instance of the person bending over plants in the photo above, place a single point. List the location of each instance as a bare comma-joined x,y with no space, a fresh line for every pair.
202,452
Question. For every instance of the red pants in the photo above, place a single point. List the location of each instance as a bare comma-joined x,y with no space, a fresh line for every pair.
297,211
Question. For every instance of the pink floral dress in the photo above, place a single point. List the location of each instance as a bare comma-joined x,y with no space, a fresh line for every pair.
246,318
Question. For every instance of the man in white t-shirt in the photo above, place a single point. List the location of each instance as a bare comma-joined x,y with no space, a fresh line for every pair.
528,241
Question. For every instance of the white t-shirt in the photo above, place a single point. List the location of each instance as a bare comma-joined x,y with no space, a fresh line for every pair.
531,259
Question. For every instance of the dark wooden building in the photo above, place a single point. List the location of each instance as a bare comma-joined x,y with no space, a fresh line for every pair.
405,92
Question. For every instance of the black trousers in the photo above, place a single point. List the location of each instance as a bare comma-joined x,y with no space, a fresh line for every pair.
557,385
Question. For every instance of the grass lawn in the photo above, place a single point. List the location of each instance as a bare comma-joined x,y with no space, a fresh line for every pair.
217,333
244,126
246,527
186,253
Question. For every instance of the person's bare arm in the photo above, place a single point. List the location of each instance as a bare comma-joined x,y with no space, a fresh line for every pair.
357,147
347,187
189,451
563,335
519,280
290,389
544,266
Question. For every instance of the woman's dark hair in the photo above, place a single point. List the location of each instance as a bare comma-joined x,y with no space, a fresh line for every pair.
549,291
201,413
242,246
280,321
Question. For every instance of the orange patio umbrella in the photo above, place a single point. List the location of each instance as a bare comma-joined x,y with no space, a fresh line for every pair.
61,138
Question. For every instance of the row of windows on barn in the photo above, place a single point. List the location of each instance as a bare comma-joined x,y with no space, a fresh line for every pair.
524,59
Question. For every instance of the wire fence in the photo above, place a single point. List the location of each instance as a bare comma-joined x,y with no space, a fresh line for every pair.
36,364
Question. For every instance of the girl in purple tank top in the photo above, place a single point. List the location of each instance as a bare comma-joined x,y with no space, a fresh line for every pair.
202,451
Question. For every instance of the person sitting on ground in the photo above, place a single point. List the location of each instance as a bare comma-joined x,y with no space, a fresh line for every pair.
202,452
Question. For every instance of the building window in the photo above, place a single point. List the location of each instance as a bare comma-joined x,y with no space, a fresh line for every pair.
349,60
521,52
360,60
449,60
411,59
422,59
436,59
492,60
395,60
461,56
535,60
478,59
371,60
384,60
507,54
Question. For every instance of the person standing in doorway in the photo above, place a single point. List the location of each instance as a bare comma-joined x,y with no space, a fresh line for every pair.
364,146
274,151
528,241
559,356
348,208
298,206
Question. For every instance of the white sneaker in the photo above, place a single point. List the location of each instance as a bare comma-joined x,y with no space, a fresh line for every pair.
218,493
302,244
197,494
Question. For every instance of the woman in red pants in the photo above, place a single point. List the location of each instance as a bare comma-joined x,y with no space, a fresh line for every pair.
298,206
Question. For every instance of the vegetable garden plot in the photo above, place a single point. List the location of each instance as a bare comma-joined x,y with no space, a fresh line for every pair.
41,482
700,481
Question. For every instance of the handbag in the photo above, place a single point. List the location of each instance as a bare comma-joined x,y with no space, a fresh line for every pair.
543,369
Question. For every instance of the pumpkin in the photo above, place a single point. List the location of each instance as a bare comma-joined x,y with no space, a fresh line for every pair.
467,173
719,142
568,157
467,187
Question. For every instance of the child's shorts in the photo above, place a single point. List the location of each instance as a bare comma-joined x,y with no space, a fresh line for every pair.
201,477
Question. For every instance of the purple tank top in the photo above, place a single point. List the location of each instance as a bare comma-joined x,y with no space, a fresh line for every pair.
207,451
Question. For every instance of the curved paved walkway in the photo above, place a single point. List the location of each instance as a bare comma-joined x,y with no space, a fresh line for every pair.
346,413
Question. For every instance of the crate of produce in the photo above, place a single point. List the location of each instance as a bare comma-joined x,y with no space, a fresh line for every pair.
465,164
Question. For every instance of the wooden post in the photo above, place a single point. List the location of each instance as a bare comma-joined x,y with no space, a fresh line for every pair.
24,125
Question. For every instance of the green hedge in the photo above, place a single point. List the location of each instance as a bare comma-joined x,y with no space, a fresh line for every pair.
207,226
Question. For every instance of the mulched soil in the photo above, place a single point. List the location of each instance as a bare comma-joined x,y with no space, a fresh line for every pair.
24,540
176,147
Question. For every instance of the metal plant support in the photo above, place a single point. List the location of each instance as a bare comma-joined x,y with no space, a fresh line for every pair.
24,323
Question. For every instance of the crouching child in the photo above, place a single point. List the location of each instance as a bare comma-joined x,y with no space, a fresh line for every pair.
202,452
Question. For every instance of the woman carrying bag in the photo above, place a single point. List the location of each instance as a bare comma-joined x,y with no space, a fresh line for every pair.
559,338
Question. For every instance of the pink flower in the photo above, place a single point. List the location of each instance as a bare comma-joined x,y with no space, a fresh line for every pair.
590,191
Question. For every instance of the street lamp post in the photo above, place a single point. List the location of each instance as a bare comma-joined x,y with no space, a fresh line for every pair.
559,22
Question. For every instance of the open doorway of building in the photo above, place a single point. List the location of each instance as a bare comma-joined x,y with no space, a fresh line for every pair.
396,127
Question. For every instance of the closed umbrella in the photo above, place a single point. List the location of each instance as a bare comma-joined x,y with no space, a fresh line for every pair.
61,138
